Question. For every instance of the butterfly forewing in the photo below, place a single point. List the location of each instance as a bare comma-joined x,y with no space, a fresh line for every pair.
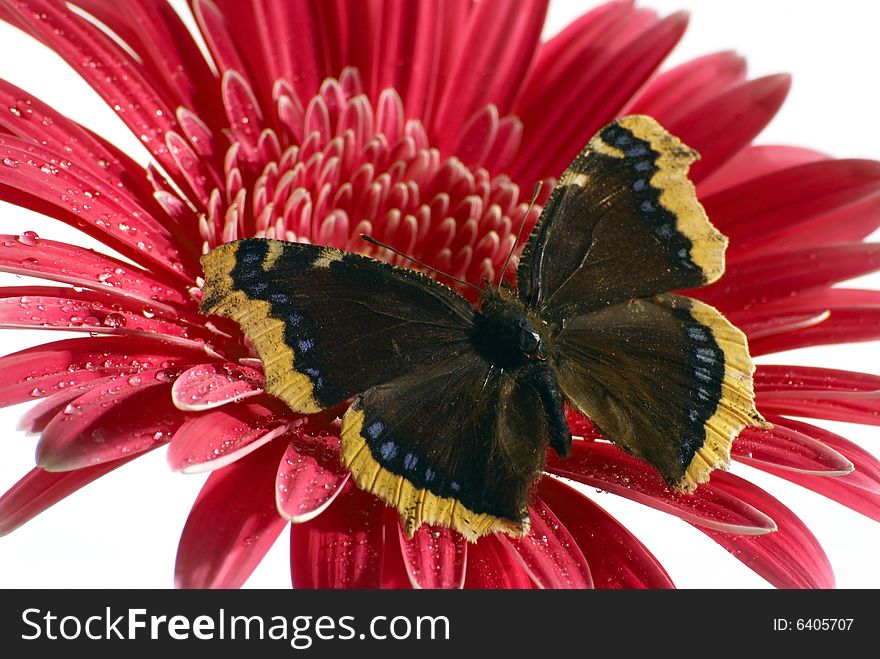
329,324
623,222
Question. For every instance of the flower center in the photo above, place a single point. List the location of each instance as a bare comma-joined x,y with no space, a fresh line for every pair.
342,166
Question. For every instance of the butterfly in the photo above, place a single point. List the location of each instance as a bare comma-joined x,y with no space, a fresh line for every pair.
455,404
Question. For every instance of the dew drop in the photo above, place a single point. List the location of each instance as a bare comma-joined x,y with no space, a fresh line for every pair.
134,380
29,238
114,320
11,162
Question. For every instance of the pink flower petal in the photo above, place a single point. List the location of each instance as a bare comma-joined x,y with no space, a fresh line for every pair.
310,475
435,557
679,90
605,466
122,417
232,524
617,559
778,276
491,565
493,26
207,386
783,448
219,437
342,547
73,265
722,126
55,367
549,553
789,558
40,490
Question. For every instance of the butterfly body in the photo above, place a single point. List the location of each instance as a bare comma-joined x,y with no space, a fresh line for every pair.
455,405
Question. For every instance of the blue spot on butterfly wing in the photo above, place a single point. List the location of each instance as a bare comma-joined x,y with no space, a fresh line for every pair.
697,333
258,288
454,486
388,450
251,258
639,184
643,166
375,429
637,151
410,460
706,355
306,344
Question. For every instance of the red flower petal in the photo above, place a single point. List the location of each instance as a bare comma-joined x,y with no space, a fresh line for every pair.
688,85
789,558
220,437
342,547
492,565
780,378
232,524
52,260
394,570
819,392
171,58
435,557
90,202
493,26
778,276
39,490
859,490
549,553
310,475
207,386
40,124
843,324
752,213
616,557
755,161
605,466
119,418
55,367
788,449
559,124
720,127
111,72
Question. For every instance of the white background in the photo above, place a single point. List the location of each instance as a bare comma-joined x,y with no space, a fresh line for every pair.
122,531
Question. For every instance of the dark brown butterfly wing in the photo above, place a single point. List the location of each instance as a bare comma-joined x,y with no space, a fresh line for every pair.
667,378
459,444
330,324
664,376
623,222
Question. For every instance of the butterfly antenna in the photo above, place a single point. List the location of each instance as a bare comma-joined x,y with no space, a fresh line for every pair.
522,225
375,242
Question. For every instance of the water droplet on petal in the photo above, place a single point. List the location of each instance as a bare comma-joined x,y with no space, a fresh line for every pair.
114,320
29,238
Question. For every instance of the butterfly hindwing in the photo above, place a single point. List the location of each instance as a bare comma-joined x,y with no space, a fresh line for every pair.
329,324
623,222
460,444
667,378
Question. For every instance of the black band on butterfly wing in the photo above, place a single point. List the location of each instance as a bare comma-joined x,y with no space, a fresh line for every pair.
623,222
667,378
329,324
459,445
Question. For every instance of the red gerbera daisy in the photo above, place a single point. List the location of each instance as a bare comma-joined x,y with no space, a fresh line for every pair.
426,125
